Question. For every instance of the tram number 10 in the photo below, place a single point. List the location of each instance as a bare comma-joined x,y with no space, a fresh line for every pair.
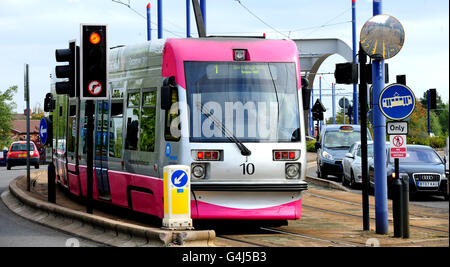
248,168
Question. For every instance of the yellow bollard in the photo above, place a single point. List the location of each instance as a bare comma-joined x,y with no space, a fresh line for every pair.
177,197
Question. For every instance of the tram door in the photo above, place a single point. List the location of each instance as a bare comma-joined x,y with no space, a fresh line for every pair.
101,149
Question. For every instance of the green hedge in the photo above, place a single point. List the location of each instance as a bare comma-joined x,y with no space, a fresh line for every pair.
434,142
311,146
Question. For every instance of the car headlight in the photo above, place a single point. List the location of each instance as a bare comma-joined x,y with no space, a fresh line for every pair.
327,155
402,175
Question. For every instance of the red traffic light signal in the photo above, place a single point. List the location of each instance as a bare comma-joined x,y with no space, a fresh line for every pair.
94,62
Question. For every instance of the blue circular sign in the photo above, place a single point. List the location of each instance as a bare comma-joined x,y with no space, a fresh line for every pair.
168,149
397,101
43,130
179,178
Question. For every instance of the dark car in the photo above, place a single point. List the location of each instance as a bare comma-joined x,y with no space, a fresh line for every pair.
423,167
334,142
17,155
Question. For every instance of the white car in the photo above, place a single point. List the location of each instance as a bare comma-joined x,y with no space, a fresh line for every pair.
352,164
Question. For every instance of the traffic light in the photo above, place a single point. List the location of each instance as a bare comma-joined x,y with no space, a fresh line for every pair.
69,71
49,103
94,62
346,73
317,111
432,95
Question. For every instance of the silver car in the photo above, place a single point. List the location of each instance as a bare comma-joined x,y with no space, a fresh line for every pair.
352,164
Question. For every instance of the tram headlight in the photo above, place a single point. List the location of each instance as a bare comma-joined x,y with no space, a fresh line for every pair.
198,171
293,171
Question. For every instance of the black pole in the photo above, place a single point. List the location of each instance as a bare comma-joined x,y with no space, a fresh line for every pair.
90,153
27,99
364,156
405,207
401,79
51,183
397,196
51,172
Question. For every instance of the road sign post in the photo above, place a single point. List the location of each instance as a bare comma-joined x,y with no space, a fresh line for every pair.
177,197
381,38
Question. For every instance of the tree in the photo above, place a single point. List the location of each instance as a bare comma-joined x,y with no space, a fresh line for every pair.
6,108
439,118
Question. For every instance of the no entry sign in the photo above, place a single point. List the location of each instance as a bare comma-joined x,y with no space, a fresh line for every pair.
398,146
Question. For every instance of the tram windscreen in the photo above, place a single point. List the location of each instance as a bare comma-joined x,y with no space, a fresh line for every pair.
255,102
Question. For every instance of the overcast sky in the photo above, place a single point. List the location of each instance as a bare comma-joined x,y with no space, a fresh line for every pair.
31,30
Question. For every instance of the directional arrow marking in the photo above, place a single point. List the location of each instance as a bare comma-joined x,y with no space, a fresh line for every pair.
178,180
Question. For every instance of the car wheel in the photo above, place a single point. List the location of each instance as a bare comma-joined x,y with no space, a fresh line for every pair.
8,167
36,166
352,180
344,179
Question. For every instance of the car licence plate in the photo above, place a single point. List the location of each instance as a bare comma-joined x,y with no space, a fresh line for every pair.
427,184
22,155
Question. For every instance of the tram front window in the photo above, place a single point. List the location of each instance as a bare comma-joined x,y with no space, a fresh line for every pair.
255,102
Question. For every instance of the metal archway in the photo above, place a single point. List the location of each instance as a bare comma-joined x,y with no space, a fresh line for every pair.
312,53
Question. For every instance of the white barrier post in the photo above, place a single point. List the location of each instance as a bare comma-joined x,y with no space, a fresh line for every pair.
177,197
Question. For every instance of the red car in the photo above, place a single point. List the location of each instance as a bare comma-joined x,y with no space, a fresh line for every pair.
17,155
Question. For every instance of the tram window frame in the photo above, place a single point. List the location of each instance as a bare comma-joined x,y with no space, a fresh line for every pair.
132,142
151,107
171,115
116,114
71,139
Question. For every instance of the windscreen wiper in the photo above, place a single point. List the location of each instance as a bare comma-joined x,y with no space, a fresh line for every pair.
244,150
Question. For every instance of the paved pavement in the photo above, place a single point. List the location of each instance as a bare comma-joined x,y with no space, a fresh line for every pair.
16,231
432,201
24,233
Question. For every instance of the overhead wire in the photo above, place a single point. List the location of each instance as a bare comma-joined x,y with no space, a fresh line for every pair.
261,20
137,12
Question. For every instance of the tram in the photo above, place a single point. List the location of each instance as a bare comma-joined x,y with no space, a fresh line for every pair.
230,108
397,101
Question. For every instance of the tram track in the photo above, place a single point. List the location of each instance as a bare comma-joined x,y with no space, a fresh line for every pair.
373,219
370,206
308,240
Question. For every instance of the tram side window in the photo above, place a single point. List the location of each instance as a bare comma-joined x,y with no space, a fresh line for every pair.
72,132
148,114
172,130
131,140
115,130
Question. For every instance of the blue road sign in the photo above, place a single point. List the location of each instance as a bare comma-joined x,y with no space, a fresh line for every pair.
179,178
397,101
43,129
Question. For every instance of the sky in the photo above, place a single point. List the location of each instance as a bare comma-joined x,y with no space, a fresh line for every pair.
31,31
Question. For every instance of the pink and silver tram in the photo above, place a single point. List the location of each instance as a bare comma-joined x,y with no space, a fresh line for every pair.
230,108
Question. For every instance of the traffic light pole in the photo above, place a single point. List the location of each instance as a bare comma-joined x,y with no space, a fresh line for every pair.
364,154
355,92
90,108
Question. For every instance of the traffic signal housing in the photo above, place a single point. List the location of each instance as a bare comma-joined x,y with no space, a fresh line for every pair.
346,73
432,96
94,61
69,71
